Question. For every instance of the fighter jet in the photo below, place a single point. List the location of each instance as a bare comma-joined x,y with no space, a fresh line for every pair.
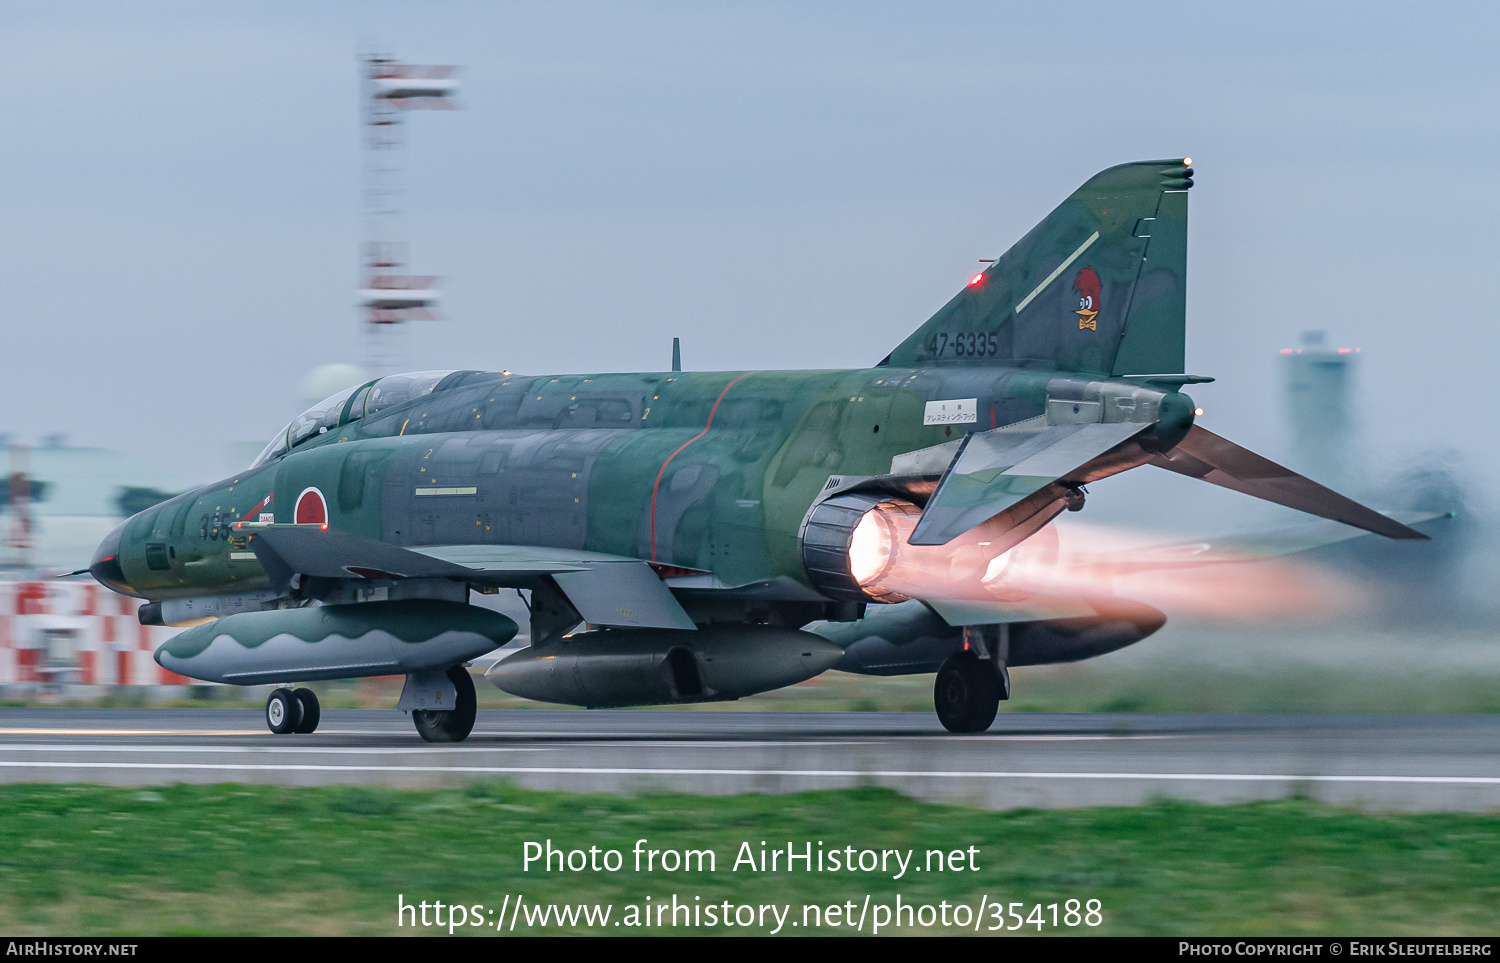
695,526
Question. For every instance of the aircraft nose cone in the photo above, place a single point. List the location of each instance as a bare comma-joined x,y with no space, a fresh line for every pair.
105,566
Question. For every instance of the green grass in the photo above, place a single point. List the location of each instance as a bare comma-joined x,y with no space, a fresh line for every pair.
80,859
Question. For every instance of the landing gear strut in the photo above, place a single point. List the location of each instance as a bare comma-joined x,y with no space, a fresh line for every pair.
455,724
289,710
967,693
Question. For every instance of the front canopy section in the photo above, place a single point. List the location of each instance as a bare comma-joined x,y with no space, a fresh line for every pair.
348,405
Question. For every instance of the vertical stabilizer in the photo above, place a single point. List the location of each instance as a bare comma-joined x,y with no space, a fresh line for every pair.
1098,286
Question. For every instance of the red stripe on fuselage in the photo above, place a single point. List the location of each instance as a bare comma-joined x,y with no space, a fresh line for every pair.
662,470
258,506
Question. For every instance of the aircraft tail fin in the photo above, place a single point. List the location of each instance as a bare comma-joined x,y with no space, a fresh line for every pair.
1098,286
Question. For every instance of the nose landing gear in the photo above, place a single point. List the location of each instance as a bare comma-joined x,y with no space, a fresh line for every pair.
289,710
311,711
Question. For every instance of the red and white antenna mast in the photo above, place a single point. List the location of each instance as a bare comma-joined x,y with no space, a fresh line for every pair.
388,294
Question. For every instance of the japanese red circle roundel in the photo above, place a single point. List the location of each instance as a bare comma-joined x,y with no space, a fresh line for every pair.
311,508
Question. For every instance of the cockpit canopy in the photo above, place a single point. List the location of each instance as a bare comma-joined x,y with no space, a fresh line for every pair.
348,405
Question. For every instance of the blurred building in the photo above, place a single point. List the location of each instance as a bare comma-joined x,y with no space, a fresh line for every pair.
77,496
1318,385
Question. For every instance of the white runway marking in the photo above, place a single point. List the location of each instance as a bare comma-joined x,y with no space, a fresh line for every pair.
270,748
871,740
136,732
807,773
221,733
590,741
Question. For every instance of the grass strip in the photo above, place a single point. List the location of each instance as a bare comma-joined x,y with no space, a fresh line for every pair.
231,859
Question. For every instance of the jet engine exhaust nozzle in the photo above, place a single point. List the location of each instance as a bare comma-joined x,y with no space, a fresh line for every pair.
856,547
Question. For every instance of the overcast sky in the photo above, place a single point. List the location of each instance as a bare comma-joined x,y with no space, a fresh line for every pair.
781,185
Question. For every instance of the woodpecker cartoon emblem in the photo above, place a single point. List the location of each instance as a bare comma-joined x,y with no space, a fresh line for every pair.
1087,286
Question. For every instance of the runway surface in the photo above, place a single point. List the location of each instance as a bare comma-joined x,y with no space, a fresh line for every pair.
1041,760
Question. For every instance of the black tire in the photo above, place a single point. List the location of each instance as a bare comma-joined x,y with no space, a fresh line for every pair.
966,693
311,712
453,726
283,711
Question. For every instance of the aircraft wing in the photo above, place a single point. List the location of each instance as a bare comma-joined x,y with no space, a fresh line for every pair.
605,589
287,550
1219,461
998,469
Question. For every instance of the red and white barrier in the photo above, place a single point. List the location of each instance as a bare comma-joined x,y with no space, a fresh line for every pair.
77,632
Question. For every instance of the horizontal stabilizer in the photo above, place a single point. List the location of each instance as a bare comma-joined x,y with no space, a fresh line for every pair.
1250,547
1218,461
998,469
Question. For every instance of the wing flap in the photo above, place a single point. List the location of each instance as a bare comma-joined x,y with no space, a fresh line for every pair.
516,559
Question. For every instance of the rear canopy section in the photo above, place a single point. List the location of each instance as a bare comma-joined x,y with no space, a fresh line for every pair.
1098,286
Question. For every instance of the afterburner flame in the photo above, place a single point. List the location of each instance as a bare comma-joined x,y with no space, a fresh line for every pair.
885,564
1084,561
870,546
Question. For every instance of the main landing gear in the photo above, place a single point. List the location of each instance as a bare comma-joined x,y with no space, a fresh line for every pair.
292,710
968,691
453,725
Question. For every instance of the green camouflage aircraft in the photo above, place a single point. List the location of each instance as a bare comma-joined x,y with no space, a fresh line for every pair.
700,524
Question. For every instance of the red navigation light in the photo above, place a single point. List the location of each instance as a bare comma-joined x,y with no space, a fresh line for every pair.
976,279
1286,350
1343,351
325,526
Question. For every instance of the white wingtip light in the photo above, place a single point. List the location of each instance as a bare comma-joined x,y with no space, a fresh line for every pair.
1187,162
